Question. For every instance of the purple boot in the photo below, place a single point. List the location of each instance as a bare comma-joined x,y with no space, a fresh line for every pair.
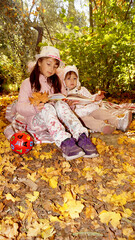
70,149
88,147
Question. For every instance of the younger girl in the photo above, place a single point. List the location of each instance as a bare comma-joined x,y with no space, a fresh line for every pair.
92,115
43,117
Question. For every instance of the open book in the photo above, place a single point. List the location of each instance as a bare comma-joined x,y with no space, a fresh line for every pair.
72,97
38,97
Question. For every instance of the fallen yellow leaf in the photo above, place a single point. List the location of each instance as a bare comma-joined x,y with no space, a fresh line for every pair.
54,219
112,217
33,176
126,212
74,208
33,197
121,140
53,182
127,231
90,212
10,197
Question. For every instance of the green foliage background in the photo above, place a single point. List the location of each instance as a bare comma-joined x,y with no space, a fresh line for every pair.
105,59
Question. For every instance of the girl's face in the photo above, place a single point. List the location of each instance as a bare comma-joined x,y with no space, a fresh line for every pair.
48,66
71,80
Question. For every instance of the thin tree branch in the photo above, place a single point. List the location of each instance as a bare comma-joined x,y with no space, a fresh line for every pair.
47,30
128,9
40,35
95,4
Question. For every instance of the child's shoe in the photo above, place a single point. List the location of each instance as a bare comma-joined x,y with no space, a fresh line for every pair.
88,147
70,149
124,122
108,129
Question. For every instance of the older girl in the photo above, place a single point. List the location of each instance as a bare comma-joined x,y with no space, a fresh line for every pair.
53,117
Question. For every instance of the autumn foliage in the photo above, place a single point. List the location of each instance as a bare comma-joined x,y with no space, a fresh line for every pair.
42,196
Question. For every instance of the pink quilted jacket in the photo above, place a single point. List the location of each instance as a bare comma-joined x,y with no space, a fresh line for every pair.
23,106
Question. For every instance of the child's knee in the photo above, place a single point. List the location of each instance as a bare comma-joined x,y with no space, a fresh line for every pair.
60,105
48,109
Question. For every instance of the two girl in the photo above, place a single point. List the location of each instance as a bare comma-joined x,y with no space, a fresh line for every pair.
53,117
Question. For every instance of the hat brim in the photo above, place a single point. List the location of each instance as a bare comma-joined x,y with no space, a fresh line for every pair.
51,56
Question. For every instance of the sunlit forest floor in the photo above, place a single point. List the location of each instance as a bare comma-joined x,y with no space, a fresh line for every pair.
42,196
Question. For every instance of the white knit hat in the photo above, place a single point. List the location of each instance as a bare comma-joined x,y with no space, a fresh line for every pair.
49,51
61,72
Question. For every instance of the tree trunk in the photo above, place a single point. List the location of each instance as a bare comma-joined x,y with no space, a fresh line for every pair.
39,38
91,15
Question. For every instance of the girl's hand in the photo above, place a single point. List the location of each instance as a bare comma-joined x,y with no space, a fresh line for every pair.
40,106
100,96
72,104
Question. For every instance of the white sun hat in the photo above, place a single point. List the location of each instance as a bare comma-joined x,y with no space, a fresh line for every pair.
49,51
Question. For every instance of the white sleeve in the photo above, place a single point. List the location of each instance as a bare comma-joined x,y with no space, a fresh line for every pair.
84,91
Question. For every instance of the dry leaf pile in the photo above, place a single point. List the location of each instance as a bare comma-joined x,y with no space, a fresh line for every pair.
42,196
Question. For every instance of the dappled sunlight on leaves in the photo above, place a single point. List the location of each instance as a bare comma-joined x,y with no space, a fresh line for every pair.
43,196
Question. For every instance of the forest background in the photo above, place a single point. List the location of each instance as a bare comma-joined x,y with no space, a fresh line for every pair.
42,196
97,36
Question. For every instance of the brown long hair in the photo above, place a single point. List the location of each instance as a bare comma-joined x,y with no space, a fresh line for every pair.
53,81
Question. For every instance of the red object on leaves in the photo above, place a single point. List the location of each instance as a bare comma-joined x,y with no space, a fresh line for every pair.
21,142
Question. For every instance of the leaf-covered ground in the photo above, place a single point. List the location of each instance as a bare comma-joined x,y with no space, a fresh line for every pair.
42,196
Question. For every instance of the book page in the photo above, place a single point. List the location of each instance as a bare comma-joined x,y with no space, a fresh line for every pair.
57,96
72,97
80,98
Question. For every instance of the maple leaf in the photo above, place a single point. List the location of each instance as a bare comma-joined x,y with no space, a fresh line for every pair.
28,158
40,227
2,124
32,198
129,168
90,212
47,233
112,217
25,167
8,229
21,215
126,212
10,197
87,173
71,206
99,170
74,208
119,180
46,155
122,139
11,168
68,196
127,231
42,157
78,189
54,219
53,182
38,97
33,176
131,140
48,175
21,208
120,199
66,167
132,125
21,212
119,238
1,206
